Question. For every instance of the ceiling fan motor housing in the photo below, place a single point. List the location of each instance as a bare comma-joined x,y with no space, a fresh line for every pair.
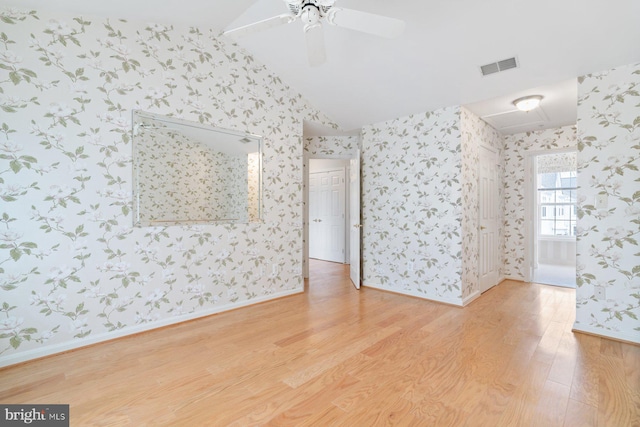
310,11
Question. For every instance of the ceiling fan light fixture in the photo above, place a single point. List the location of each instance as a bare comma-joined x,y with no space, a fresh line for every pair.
310,15
528,103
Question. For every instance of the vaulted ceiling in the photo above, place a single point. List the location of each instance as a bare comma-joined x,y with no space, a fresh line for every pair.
436,61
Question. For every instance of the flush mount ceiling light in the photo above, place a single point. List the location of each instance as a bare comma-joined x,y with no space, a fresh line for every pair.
527,103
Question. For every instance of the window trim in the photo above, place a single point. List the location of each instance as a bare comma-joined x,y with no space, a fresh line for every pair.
555,205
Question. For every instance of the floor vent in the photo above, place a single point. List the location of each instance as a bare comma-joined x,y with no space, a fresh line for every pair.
496,67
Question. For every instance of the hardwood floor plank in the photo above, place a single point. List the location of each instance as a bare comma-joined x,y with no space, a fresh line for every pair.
435,412
490,406
584,387
468,395
337,356
552,405
562,367
313,404
548,345
631,363
580,414
18,386
618,404
330,416
388,411
521,407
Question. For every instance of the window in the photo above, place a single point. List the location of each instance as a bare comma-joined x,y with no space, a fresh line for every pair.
557,202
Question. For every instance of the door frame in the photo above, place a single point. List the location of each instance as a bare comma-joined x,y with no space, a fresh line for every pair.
531,205
355,220
344,169
498,225
305,197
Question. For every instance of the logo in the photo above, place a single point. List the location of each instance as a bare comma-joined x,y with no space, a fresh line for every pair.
35,415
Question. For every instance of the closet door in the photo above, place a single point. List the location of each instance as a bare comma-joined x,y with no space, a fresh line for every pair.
488,221
327,215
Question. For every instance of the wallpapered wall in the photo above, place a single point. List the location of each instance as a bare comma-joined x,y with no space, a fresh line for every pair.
331,146
608,164
72,268
420,203
516,148
412,198
557,162
181,179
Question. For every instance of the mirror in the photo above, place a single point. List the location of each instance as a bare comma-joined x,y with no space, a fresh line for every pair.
188,173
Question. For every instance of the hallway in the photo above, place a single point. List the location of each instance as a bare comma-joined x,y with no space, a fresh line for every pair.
557,275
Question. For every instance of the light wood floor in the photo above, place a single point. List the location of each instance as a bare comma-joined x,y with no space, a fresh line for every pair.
336,356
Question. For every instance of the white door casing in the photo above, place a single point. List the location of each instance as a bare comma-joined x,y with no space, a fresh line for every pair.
530,204
550,256
327,215
354,220
488,219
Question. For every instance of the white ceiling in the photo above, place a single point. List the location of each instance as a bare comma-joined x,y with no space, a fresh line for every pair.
557,108
434,64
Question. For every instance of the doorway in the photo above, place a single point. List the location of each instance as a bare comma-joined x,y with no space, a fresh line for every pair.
554,217
327,210
488,219
350,225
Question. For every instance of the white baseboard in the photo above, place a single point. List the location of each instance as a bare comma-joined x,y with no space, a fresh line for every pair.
470,298
516,278
458,303
633,338
108,336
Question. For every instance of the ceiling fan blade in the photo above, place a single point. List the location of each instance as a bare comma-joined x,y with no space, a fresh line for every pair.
315,44
265,24
366,22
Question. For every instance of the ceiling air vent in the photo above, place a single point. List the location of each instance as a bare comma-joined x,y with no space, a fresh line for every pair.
495,67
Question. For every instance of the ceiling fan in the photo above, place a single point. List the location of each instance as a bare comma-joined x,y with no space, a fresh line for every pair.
313,12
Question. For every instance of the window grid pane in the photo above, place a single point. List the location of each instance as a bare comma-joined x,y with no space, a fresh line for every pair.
557,203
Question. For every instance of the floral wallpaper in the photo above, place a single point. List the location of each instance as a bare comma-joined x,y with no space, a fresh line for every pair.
230,177
420,206
178,179
557,162
412,205
331,146
609,166
73,269
476,132
516,148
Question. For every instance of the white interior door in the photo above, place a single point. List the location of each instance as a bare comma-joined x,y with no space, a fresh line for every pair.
488,221
354,220
327,215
